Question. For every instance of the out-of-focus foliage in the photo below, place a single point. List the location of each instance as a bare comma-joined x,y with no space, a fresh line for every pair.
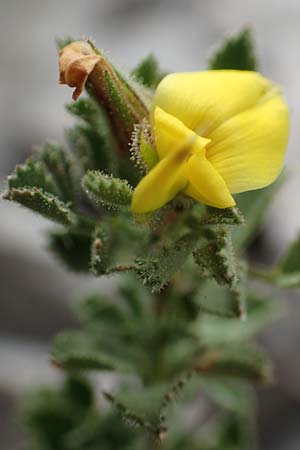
235,53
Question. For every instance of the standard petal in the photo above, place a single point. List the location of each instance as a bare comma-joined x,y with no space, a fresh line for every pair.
248,150
170,134
206,184
203,100
161,184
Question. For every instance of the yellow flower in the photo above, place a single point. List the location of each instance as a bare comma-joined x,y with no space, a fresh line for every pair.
217,133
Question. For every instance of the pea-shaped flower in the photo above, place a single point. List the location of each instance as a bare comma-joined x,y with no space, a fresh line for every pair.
217,133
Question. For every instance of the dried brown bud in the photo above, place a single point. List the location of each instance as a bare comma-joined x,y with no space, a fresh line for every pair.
81,64
76,61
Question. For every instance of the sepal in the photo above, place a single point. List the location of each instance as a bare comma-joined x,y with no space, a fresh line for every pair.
142,149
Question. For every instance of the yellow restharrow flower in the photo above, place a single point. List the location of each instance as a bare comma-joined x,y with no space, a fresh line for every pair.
217,133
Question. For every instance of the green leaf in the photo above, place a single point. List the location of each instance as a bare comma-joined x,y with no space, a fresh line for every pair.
164,261
78,391
291,261
145,401
238,291
105,190
101,147
287,273
43,203
48,416
87,109
216,258
253,205
238,360
230,394
227,216
91,147
61,168
51,414
214,300
131,418
72,247
99,310
231,432
215,331
98,432
99,258
76,350
31,174
66,418
148,72
135,295
236,52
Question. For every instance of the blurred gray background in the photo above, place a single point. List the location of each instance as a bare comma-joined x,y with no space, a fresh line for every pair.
35,293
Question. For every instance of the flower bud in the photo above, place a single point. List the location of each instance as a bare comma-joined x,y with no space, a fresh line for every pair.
82,65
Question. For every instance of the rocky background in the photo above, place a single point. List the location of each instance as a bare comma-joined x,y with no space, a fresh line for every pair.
36,293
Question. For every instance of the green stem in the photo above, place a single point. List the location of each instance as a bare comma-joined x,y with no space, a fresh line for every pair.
120,268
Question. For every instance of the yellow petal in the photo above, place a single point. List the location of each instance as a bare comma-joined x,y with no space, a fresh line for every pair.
161,184
206,184
170,134
248,149
203,100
